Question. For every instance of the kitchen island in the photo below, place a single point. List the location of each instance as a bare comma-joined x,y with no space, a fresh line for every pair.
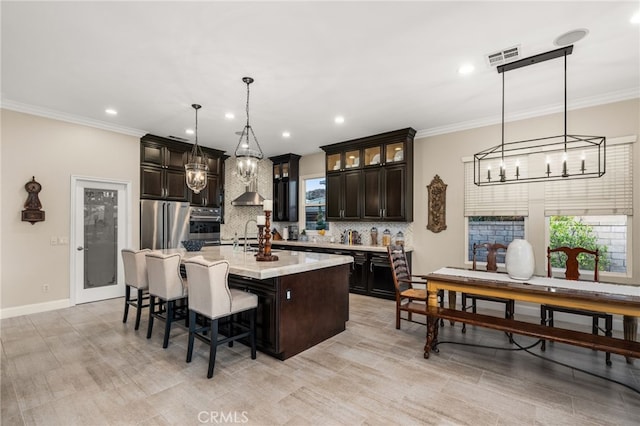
303,298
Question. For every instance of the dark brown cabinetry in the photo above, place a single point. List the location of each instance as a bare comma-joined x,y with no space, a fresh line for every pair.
384,193
297,311
370,273
162,173
266,319
212,195
381,178
342,200
286,181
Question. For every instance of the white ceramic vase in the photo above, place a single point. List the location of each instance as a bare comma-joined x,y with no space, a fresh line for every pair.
519,260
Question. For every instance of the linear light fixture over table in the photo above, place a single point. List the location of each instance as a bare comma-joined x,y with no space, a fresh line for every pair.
196,167
248,154
566,156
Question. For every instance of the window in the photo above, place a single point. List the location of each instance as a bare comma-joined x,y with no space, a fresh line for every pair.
495,214
314,204
492,229
606,233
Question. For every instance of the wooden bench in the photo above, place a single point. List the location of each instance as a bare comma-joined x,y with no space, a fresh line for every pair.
627,348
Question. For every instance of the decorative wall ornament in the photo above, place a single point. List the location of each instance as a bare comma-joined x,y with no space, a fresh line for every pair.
33,212
437,205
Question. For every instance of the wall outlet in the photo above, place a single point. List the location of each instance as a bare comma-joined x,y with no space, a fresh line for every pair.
45,288
63,241
54,241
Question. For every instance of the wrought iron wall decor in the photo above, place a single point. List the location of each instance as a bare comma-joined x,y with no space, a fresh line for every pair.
437,205
33,212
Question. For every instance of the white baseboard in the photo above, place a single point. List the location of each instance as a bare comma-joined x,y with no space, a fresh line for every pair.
16,311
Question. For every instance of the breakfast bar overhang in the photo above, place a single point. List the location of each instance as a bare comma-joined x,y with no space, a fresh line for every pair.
303,298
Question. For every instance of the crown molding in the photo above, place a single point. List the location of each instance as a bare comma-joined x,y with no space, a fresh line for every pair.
69,118
623,95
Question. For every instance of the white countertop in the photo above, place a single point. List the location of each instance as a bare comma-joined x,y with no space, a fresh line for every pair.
245,264
337,246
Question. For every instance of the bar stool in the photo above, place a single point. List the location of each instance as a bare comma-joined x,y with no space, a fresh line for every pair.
135,276
166,285
211,297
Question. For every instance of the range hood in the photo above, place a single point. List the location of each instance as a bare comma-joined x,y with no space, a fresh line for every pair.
250,196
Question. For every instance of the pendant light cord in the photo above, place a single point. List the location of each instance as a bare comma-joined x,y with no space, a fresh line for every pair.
196,151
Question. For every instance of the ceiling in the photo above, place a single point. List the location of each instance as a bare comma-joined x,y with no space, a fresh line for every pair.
381,65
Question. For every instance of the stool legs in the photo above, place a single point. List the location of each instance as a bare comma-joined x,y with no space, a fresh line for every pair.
152,310
127,294
212,348
139,308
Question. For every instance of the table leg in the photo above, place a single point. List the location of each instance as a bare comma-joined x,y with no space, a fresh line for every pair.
630,325
452,303
432,324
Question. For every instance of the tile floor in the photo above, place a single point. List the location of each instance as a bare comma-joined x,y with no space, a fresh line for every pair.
82,366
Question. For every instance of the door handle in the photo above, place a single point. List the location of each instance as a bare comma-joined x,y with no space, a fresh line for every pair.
80,248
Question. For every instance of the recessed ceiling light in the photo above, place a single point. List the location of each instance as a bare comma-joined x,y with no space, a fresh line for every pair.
189,131
229,116
571,37
466,69
111,111
286,134
635,19
339,119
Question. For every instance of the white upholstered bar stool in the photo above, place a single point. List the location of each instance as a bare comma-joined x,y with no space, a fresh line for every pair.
168,287
135,276
211,297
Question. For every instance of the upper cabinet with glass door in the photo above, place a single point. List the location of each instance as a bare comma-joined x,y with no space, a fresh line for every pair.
382,154
343,160
380,168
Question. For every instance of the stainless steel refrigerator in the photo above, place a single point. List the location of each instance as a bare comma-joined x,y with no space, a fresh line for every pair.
163,224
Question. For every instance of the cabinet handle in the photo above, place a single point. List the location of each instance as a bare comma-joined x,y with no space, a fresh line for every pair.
370,266
384,212
380,213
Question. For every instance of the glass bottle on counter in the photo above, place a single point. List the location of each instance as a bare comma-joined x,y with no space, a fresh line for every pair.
374,236
399,238
386,238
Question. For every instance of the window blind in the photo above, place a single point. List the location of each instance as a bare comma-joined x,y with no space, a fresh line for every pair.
499,199
611,194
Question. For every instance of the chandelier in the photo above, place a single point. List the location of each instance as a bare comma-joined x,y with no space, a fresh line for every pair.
565,156
248,154
196,166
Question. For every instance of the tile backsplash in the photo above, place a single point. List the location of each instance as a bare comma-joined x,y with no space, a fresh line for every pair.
235,217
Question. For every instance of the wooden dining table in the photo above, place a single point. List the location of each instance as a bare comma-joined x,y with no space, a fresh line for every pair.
594,296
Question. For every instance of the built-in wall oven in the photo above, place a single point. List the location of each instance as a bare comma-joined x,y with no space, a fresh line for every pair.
204,224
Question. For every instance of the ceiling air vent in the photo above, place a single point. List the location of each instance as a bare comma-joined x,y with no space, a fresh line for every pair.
504,56
178,138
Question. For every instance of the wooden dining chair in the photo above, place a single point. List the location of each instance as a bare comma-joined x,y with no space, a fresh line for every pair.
572,273
492,266
404,281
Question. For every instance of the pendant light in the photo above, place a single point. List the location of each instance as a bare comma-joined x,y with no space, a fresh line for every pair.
248,154
196,167
567,156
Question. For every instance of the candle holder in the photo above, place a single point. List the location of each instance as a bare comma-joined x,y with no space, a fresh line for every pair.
260,240
266,255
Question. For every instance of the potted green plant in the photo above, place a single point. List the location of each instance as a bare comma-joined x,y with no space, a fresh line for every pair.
303,235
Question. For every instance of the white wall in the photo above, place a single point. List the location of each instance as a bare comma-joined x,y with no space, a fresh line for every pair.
52,151
442,155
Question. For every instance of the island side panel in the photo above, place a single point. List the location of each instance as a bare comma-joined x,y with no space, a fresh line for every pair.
314,306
